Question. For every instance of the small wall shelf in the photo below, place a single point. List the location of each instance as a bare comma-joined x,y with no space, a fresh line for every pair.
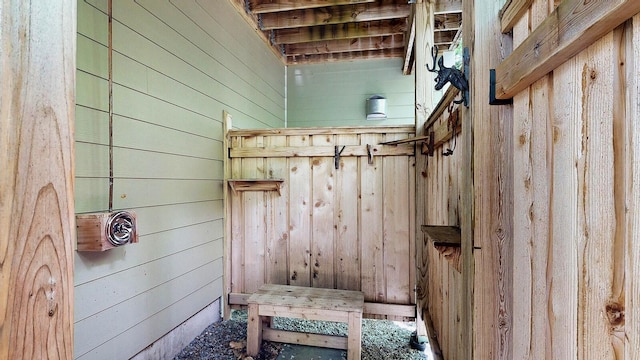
447,240
255,185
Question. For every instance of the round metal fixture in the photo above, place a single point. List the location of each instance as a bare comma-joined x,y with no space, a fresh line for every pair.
120,228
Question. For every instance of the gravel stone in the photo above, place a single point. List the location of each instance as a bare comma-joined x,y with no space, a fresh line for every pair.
226,340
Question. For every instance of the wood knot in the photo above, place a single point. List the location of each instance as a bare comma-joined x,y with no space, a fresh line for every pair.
615,314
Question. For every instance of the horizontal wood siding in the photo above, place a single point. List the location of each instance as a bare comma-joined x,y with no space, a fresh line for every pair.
334,94
177,65
348,228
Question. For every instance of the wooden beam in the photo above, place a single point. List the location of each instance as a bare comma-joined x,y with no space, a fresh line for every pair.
268,6
319,151
410,40
356,55
346,130
424,92
447,6
574,25
340,31
511,12
345,45
446,100
332,15
37,221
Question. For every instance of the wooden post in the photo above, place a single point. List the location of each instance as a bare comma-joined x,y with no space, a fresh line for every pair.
227,124
424,19
488,171
37,94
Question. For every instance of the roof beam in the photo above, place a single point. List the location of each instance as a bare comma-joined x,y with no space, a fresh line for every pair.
345,45
333,15
340,31
335,57
448,6
268,6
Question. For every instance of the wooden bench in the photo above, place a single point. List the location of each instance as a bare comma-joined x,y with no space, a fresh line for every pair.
305,303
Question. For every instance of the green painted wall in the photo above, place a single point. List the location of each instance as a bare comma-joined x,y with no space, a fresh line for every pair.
334,94
177,66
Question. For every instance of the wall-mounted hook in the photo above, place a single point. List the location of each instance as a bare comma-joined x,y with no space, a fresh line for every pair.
370,154
336,157
449,75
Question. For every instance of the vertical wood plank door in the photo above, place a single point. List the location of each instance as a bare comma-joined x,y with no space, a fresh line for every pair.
344,223
37,77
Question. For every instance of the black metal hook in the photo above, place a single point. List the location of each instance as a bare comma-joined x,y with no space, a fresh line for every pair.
336,158
449,75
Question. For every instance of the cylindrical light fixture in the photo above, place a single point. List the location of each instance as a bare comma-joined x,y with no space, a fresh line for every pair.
376,108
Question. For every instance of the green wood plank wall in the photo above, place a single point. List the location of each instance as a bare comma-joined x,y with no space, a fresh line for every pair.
334,94
177,66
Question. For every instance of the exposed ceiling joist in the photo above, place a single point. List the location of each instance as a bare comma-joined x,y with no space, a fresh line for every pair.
314,31
332,15
340,31
268,6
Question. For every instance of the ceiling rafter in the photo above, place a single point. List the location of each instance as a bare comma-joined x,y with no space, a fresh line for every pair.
340,31
269,6
315,31
332,15
345,45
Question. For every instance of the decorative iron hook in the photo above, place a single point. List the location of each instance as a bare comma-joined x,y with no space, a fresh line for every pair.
448,75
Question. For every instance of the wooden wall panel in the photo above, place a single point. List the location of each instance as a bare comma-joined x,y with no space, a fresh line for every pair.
37,179
632,256
300,216
347,207
348,228
370,227
574,249
322,216
440,283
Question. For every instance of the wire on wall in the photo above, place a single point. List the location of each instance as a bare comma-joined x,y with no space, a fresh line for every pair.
110,65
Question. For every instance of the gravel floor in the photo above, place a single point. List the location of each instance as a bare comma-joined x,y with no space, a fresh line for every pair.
381,339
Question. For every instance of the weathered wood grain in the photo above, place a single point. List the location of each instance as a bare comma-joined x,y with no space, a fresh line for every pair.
492,190
322,216
36,184
300,208
572,27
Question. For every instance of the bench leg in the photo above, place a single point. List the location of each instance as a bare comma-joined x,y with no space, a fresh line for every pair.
354,338
254,331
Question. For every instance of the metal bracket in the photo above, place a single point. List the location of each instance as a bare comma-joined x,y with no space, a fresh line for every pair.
428,147
492,91
466,59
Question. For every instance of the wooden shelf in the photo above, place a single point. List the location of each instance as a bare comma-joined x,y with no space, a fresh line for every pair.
255,185
447,240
